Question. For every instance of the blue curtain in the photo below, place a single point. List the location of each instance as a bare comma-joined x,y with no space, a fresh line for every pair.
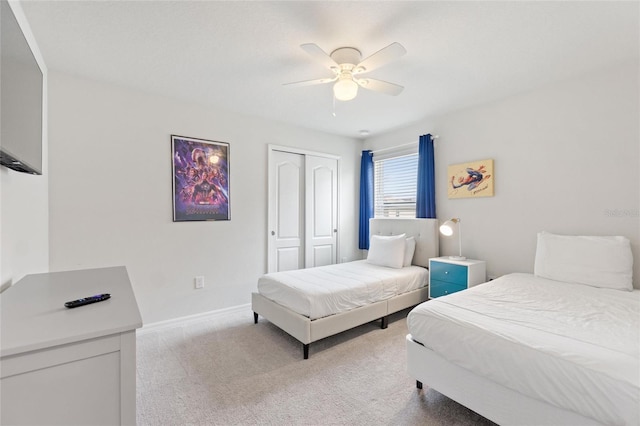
426,197
366,197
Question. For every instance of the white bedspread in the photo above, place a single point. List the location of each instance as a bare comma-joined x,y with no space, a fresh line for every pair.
573,346
327,290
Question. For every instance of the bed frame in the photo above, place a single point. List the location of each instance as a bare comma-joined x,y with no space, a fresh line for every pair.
425,232
487,398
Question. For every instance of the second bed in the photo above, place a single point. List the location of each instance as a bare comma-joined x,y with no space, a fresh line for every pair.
311,304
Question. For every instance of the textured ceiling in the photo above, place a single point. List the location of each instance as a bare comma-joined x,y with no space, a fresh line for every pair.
236,55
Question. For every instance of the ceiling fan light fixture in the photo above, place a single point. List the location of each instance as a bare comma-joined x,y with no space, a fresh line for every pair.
347,65
345,89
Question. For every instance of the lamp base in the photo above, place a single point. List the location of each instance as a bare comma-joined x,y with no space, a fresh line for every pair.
457,258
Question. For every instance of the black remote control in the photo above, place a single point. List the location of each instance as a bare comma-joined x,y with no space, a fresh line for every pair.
87,300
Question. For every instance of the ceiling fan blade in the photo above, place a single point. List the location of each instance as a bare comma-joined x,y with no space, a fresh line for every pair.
311,82
380,86
319,55
381,57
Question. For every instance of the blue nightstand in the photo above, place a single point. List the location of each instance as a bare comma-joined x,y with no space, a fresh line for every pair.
448,276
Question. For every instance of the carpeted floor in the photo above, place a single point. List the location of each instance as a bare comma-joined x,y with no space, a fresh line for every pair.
228,371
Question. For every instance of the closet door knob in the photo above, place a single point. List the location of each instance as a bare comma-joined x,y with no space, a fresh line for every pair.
273,232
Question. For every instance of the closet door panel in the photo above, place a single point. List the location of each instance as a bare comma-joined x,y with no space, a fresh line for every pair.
286,212
321,183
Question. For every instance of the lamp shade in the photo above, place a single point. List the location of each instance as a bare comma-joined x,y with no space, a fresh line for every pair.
345,89
447,230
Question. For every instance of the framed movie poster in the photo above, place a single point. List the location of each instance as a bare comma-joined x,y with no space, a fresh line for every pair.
470,180
200,179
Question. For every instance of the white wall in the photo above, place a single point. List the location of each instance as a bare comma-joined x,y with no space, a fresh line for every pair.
110,192
24,209
567,160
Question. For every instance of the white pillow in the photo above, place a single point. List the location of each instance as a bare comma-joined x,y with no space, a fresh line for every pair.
387,251
409,249
595,261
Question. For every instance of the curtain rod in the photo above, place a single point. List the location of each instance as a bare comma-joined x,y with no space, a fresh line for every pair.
434,137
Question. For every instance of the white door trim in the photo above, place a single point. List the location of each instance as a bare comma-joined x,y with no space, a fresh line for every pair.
294,150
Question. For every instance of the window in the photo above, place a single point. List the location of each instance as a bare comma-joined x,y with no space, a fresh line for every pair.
395,185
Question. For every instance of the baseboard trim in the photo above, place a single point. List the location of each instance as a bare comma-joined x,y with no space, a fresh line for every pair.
178,322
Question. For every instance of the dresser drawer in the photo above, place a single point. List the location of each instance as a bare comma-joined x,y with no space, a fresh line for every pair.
448,272
441,288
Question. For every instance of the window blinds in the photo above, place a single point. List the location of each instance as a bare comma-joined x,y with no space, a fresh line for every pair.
395,185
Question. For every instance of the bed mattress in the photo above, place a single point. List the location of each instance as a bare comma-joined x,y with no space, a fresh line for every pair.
570,345
332,289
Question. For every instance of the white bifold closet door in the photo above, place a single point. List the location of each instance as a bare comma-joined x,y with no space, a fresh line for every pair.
303,210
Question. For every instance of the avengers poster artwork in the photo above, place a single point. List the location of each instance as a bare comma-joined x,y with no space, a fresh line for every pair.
468,180
200,179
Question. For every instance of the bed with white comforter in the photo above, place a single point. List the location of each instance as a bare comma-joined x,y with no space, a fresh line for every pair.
560,346
332,289
570,345
311,304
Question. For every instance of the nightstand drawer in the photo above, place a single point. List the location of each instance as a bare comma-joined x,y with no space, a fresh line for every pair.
440,288
448,272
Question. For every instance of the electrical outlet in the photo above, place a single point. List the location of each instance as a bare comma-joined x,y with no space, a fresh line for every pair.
199,282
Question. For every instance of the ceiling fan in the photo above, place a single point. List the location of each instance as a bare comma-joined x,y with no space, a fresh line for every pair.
347,65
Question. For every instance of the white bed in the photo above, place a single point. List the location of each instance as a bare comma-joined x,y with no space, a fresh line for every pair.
526,349
333,289
315,303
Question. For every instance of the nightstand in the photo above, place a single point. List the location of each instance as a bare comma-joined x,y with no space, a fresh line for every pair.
448,276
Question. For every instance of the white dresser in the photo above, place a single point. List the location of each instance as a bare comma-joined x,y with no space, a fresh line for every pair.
69,366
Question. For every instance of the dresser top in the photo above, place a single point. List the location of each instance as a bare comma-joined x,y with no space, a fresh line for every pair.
33,315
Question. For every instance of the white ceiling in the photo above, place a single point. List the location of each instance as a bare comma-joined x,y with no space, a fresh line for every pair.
236,55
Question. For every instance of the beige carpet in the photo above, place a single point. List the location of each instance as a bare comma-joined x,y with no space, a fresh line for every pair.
228,371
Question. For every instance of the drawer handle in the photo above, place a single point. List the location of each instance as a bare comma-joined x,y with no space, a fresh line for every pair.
446,272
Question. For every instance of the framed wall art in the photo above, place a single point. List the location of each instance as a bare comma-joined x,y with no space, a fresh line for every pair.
470,180
200,179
